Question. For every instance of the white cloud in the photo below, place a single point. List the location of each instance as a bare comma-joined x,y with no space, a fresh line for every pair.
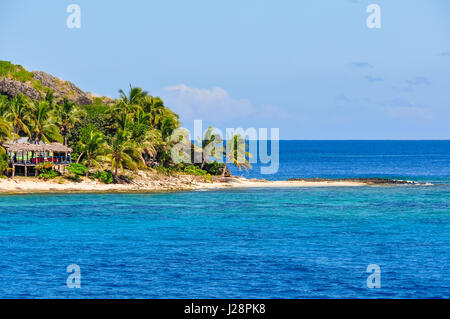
216,106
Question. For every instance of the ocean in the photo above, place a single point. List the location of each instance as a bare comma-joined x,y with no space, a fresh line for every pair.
312,242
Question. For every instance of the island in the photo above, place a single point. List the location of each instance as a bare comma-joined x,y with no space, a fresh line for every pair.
56,138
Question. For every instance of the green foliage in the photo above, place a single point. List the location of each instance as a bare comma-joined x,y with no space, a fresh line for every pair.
104,176
129,133
77,169
46,171
213,168
16,72
194,170
4,165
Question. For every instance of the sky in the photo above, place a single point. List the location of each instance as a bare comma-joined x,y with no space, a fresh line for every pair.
311,68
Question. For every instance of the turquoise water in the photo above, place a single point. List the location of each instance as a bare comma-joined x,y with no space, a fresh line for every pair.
254,243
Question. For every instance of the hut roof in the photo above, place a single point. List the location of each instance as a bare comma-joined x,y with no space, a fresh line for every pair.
28,147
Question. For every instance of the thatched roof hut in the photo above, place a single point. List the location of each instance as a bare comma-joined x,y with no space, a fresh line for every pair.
28,147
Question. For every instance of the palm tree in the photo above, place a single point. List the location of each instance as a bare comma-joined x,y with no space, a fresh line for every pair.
4,164
92,147
124,152
168,125
134,98
5,132
43,127
67,115
236,153
18,115
5,135
208,145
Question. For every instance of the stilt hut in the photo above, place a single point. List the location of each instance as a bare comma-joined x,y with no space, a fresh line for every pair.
29,156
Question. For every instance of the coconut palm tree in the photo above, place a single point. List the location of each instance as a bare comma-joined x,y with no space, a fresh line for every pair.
92,147
18,114
4,164
134,98
123,152
209,146
42,124
5,132
236,153
68,115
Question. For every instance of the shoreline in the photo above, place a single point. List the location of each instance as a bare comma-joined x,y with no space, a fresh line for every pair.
30,185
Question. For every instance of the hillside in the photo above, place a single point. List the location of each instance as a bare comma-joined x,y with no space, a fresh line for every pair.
15,79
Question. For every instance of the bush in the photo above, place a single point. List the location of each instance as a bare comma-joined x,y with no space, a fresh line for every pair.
77,169
46,171
194,170
213,168
105,176
51,174
169,171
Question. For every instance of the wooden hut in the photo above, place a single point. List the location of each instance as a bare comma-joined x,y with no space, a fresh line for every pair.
29,155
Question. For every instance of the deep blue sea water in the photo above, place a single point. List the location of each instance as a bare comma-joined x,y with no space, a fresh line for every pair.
253,243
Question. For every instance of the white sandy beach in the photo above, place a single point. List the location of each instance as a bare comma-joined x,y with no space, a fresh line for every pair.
179,183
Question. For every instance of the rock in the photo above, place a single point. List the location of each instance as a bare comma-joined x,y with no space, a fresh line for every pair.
62,88
36,87
12,88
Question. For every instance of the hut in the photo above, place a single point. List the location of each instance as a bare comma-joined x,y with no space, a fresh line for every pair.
29,155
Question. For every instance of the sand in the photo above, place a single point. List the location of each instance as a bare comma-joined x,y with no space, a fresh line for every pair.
20,185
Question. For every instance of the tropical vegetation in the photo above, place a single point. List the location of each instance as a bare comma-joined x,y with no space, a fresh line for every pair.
130,133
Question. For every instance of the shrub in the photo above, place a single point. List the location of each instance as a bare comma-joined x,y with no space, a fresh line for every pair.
194,170
46,171
105,176
213,168
51,174
77,169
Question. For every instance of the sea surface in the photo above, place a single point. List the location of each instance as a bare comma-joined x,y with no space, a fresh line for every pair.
314,242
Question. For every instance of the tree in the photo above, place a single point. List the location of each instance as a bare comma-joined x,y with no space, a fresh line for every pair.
67,115
43,127
208,146
4,161
92,146
236,153
5,131
124,152
130,101
18,115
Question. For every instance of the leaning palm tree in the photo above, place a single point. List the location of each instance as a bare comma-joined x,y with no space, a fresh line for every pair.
18,114
43,127
236,153
123,152
92,148
5,132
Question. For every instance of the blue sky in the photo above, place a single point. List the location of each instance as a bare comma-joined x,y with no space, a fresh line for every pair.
311,68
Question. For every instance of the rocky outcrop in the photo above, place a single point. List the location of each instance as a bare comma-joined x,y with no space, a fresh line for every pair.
62,89
12,88
36,88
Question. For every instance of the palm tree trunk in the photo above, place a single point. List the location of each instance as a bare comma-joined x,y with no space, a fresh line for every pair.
88,164
203,163
224,169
